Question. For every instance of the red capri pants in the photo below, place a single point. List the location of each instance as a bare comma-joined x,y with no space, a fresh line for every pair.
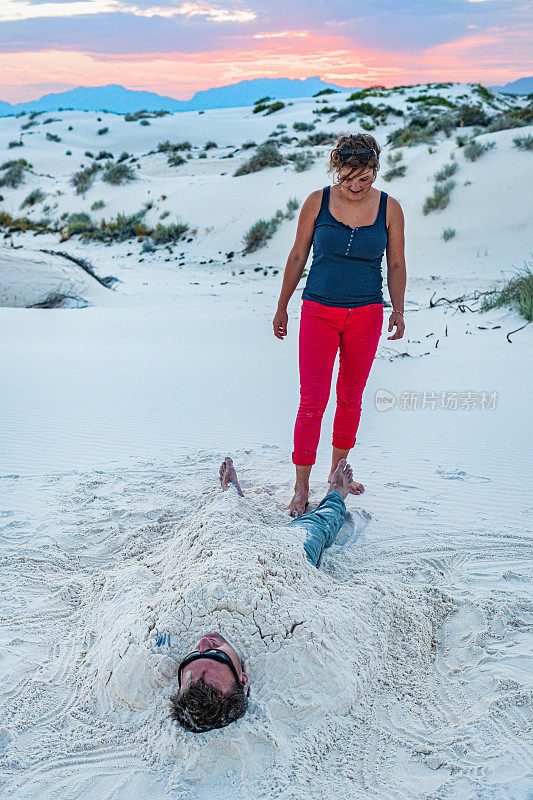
323,331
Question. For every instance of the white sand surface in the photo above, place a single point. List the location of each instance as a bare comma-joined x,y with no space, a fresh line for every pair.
399,671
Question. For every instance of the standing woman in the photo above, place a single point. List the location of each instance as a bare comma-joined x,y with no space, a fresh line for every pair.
350,225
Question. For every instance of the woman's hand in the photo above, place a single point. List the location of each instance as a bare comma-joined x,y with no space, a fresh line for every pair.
279,323
396,320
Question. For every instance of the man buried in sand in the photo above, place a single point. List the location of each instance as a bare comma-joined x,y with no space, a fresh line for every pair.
213,686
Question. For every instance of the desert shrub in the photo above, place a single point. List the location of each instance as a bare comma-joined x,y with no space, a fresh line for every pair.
395,172
517,293
80,222
446,171
262,100
472,115
35,196
473,150
315,139
248,145
524,142
277,106
164,215
83,179
144,122
52,137
165,147
394,158
261,231
202,155
174,160
432,100
267,155
123,227
301,161
367,126
103,154
258,108
326,110
97,204
326,91
13,173
168,233
210,145
303,126
28,125
440,197
123,157
88,154
448,233
292,206
102,131
116,174
15,144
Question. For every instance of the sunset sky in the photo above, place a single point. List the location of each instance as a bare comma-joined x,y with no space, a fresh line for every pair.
177,48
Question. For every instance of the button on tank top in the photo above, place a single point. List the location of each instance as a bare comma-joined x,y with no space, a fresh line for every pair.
346,266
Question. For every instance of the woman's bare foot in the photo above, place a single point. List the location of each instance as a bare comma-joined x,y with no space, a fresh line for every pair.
228,474
341,479
298,503
355,487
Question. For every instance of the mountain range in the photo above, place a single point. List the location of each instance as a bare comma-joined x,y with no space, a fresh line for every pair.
120,100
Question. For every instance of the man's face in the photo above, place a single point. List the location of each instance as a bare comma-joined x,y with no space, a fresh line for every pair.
213,672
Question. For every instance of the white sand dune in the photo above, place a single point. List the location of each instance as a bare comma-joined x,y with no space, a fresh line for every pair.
399,671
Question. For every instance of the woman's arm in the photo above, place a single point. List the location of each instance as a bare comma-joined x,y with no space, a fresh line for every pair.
396,272
297,259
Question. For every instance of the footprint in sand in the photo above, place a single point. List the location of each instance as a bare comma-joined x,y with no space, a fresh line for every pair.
460,475
354,524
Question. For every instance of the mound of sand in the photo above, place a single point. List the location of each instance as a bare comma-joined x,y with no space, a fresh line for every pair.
29,277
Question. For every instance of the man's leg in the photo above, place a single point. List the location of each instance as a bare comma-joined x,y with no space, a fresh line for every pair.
323,524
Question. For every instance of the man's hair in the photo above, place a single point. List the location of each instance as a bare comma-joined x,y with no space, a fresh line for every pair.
203,706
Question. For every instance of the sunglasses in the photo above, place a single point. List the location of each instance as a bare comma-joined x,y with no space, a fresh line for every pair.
364,153
213,655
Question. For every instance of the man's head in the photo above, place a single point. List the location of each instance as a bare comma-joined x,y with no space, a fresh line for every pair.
213,689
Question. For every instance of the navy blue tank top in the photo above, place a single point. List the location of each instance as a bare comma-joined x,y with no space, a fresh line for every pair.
346,266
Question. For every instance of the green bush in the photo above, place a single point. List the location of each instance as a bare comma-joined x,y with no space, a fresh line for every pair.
446,171
472,115
267,155
79,222
316,139
84,178
89,154
144,122
261,231
52,137
210,145
440,197
116,174
432,100
474,150
35,196
394,158
303,126
174,160
168,233
395,172
517,293
248,145
97,204
102,131
123,157
15,144
277,106
13,173
103,154
165,147
301,161
202,155
524,142
448,233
